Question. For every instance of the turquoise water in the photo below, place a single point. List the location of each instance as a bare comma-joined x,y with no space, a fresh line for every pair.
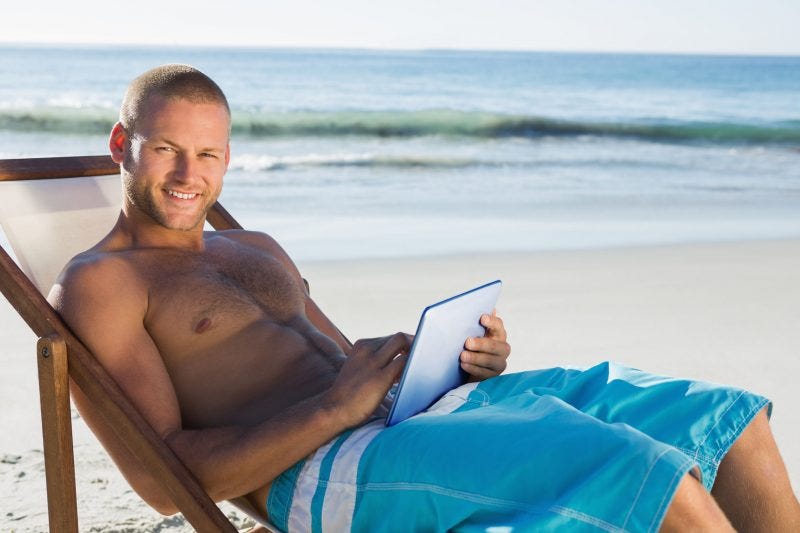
343,153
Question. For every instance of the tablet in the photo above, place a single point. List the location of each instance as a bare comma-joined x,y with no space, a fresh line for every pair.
433,365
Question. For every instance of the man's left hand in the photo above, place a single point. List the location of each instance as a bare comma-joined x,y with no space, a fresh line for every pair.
485,357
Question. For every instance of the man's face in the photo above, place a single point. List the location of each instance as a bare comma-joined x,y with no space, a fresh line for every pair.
175,160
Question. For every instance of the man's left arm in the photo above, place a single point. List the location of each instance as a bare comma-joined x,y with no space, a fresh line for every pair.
486,357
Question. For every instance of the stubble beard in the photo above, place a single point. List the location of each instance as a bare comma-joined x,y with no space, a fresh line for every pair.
143,200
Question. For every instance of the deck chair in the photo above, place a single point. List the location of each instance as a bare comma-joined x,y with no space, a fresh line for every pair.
51,209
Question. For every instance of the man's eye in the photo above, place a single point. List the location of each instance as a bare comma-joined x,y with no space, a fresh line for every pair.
164,149
206,154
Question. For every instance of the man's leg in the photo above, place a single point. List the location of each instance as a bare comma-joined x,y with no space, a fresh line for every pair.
692,509
752,485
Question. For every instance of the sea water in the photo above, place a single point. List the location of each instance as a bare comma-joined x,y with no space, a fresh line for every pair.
358,153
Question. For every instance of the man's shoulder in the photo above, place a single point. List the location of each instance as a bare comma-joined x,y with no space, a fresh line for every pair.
97,261
262,242
96,271
253,238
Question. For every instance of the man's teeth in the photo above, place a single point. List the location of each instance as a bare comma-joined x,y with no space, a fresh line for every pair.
182,195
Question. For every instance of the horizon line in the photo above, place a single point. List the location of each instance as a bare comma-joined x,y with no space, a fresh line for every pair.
240,46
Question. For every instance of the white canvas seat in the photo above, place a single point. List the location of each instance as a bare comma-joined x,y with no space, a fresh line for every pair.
47,222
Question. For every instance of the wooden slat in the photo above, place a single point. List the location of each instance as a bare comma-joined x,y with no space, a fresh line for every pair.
35,168
131,428
220,219
62,507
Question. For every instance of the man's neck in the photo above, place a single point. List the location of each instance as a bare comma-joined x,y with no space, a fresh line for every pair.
137,230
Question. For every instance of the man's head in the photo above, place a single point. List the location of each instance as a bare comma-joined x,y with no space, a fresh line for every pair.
172,143
170,82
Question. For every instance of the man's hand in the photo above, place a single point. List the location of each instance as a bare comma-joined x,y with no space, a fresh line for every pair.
371,368
485,357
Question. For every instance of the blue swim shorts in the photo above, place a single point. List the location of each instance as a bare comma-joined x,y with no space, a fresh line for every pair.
584,450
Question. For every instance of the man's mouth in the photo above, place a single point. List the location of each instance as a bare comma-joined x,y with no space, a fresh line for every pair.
181,195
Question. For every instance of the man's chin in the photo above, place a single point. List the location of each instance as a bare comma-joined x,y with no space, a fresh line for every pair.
182,222
176,224
184,227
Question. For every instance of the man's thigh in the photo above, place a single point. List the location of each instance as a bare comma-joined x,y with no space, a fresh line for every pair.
516,459
703,420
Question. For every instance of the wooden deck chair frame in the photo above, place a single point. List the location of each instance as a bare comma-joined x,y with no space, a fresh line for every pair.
61,355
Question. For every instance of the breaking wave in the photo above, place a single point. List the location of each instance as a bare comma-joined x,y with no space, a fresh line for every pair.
481,125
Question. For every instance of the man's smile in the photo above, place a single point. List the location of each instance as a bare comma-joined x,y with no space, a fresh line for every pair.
181,195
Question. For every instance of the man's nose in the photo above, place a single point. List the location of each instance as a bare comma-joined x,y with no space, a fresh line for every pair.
185,168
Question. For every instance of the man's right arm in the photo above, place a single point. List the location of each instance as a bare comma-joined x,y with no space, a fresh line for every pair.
105,306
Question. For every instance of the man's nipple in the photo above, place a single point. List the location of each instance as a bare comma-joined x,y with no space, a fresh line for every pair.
203,325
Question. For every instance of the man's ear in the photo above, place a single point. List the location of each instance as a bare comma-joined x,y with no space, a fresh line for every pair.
227,154
116,143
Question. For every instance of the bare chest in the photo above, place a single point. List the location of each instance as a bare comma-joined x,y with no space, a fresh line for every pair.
196,304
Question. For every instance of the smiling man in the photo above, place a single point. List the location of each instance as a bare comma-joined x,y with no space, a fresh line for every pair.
154,158
215,340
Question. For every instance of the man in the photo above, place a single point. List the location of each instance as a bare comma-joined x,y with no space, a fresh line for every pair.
215,340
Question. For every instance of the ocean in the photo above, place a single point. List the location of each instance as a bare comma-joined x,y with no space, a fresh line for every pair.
359,153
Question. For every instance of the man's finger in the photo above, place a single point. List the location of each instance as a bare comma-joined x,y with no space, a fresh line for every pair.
491,362
478,371
365,344
399,343
372,345
488,345
395,367
494,326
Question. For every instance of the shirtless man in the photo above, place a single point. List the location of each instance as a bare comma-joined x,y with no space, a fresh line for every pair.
215,340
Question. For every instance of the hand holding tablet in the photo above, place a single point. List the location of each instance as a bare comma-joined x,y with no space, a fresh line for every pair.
433,365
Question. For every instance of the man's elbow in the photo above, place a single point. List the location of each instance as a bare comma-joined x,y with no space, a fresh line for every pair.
154,495
162,506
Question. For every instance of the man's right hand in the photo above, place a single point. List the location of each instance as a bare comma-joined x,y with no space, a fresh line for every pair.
371,368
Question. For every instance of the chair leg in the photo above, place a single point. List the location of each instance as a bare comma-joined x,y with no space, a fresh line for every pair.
57,434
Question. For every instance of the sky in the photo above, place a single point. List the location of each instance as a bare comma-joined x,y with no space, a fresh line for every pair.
682,26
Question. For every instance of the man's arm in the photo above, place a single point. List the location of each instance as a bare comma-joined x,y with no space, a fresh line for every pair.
105,306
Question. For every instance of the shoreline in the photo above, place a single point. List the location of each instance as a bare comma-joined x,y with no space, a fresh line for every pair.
511,253
724,312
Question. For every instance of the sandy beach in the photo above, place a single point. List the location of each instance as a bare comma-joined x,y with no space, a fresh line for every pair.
718,312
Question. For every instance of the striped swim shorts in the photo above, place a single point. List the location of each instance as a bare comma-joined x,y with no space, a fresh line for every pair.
597,449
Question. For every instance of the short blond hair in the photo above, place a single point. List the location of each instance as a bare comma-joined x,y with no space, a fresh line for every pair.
168,81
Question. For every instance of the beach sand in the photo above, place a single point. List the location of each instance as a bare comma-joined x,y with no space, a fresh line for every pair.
725,313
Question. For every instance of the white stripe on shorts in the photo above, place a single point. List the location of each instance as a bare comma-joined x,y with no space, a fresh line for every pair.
304,489
340,494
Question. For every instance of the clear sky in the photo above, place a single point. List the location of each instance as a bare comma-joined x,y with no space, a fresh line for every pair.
693,26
